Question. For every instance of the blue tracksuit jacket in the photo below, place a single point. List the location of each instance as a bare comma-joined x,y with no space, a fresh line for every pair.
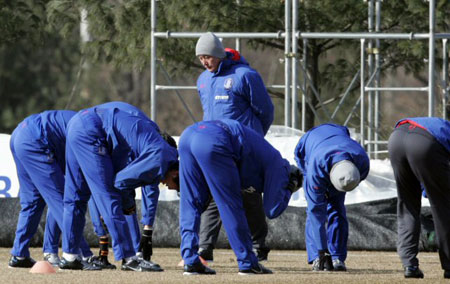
437,127
236,91
316,153
38,147
219,158
109,151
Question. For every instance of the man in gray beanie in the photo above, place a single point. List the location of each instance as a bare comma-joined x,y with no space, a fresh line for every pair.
209,44
230,88
332,164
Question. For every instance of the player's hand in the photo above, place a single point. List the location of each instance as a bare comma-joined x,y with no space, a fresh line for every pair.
295,179
129,211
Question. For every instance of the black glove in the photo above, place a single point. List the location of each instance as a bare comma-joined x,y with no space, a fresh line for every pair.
295,179
129,211
325,261
146,244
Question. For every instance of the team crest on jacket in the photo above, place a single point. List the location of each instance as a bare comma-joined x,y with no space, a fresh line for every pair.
228,83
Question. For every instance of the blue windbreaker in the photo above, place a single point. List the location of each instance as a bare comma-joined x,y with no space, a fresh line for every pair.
438,127
236,91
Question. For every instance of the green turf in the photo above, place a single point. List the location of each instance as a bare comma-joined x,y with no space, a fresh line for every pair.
288,267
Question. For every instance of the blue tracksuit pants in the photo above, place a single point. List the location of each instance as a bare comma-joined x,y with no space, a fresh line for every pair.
100,230
89,172
207,167
52,233
337,229
41,182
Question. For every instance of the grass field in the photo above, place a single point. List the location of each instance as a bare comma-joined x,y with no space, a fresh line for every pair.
288,267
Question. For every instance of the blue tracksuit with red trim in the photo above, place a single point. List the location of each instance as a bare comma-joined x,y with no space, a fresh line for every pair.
109,151
316,153
149,195
236,91
219,158
38,147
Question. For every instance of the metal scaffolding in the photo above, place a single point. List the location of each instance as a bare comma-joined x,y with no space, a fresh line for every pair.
369,123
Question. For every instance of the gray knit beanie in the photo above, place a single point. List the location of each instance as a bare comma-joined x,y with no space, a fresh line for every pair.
344,176
209,44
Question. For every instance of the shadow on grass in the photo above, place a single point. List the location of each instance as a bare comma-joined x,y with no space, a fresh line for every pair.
373,271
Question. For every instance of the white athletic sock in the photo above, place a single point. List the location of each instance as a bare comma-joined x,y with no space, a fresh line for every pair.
69,256
85,258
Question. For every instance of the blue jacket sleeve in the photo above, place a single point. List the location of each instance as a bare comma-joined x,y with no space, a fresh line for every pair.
141,171
259,99
150,195
150,164
276,196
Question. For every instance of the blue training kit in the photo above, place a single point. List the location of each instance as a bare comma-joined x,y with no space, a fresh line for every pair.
109,151
149,194
316,153
219,158
38,147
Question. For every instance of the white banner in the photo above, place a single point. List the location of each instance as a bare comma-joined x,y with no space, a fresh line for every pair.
379,184
9,184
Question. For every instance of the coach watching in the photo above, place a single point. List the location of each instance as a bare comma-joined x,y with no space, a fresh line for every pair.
229,88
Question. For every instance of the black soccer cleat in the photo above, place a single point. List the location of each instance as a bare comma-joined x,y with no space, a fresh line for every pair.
323,264
339,265
27,262
102,261
260,269
53,259
262,254
447,274
77,264
198,269
206,254
413,272
140,265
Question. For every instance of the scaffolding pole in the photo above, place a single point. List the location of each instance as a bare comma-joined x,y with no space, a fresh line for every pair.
153,62
377,76
294,65
431,59
305,85
287,63
445,88
370,69
362,90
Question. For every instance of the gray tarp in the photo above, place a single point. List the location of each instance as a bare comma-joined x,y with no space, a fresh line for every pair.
373,226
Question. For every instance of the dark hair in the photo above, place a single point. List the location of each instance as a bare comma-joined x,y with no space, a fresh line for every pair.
174,166
169,139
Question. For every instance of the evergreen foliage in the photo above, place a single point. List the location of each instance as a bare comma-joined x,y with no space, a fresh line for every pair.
41,50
